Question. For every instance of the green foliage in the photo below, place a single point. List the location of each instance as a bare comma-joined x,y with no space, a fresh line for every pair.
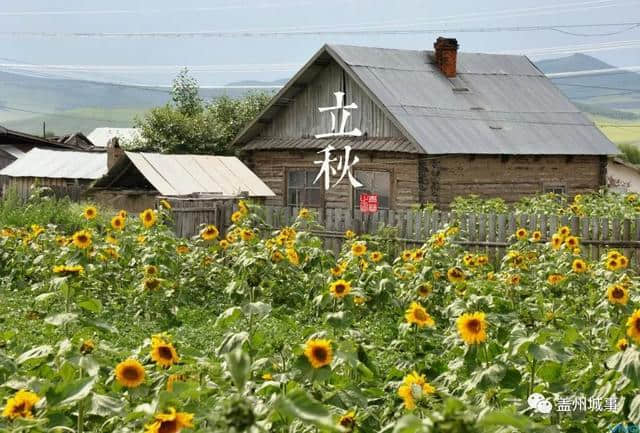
630,152
190,125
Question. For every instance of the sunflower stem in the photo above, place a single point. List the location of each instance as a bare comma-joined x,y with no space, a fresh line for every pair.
533,375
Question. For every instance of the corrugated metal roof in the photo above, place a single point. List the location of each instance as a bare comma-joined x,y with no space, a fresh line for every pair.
12,150
101,136
497,104
383,144
178,175
57,164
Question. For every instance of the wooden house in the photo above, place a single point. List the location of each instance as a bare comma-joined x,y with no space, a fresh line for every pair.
426,126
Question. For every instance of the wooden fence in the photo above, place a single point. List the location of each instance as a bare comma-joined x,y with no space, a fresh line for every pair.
487,233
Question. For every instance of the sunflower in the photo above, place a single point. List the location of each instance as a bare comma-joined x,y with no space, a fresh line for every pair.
209,233
564,231
406,255
150,270
624,262
173,378
469,260
276,257
612,264
556,241
631,198
348,421
151,283
292,256
111,240
337,270
130,373
424,290
521,234
554,279
122,213
165,204
20,405
536,236
82,239
455,275
571,241
339,289
304,213
66,270
375,256
472,327
579,266
482,259
117,222
90,212
416,314
633,326
148,218
622,344
513,280
451,231
414,387
359,300
318,352
236,217
246,234
349,234
163,353
169,422
182,249
618,294
242,207
438,240
613,254
87,346
417,255
358,249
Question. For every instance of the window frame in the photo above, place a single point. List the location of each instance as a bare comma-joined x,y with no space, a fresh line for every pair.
392,186
555,185
285,195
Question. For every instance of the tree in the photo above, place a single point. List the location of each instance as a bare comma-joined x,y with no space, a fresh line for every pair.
190,125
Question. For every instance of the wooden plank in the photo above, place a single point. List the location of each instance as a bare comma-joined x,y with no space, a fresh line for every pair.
595,233
491,235
512,225
482,231
502,235
626,236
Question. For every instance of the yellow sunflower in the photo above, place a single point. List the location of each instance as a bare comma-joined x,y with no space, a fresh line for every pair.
150,270
469,260
20,405
165,204
224,244
122,213
90,212
339,289
472,327
68,270
633,326
564,231
82,239
579,266
622,344
414,388
624,262
613,264
613,254
169,422
163,353
375,256
358,249
521,234
292,256
482,259
406,255
416,314
438,240
554,279
349,234
130,373
455,275
148,218
246,234
236,217
556,241
417,255
348,421
182,249
87,346
513,280
571,242
151,283
111,240
209,233
117,222
319,353
618,294
424,290
242,207
304,213
276,257
337,270
536,236
172,379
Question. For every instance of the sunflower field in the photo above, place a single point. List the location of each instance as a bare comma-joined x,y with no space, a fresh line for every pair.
119,326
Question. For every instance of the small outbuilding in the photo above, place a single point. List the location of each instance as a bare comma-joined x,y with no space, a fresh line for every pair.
66,172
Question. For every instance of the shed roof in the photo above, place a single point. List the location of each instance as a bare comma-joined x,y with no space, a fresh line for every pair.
57,164
101,136
497,104
179,175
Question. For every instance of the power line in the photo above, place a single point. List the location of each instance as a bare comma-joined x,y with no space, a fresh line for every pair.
250,34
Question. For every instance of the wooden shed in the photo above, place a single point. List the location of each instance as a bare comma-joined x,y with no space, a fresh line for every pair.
426,126
135,180
66,172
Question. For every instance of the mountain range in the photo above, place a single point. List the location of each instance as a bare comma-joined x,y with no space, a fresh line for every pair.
68,105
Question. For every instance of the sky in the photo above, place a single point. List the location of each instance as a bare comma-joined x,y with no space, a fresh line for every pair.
40,33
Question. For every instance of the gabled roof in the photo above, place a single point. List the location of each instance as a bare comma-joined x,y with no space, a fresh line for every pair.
8,136
497,104
180,175
57,164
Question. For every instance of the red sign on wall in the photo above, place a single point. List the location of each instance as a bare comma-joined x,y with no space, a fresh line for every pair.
368,203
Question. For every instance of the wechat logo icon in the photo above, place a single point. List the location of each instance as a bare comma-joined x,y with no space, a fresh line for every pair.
539,404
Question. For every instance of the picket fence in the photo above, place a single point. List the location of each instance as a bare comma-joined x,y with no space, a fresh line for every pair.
488,233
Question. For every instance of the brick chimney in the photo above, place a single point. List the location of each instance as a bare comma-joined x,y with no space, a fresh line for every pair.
446,54
114,152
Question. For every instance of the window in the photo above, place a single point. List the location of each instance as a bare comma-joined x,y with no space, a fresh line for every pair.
374,182
556,189
301,190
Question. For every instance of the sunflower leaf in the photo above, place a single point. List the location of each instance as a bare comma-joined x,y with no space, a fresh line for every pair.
61,319
299,404
259,309
228,317
93,305
103,405
239,365
553,352
627,363
36,352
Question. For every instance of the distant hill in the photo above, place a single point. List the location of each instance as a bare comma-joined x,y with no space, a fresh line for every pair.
26,101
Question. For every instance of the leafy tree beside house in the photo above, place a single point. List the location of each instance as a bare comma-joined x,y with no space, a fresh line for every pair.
190,125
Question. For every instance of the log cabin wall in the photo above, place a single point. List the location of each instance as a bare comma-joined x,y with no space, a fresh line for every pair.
509,177
272,165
